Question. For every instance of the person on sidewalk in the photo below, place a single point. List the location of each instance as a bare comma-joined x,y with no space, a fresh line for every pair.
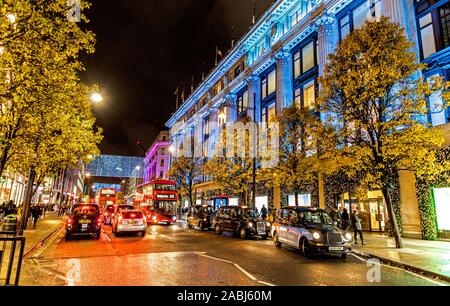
36,214
264,212
357,227
345,218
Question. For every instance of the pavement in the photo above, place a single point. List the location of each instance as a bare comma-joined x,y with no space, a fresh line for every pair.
175,256
430,258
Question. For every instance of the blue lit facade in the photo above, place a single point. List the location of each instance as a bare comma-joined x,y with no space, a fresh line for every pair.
279,60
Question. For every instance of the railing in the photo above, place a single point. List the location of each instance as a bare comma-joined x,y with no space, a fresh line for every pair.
10,246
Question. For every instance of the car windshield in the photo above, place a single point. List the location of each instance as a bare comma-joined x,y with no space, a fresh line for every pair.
109,208
85,210
165,187
132,215
126,207
249,213
317,217
205,210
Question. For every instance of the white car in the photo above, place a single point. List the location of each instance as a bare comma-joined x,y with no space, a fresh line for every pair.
130,221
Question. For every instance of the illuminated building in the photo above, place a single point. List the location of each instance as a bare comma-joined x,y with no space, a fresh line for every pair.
278,62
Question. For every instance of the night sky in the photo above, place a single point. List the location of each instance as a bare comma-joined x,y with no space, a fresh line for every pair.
145,49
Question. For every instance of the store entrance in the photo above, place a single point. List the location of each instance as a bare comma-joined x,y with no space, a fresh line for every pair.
372,212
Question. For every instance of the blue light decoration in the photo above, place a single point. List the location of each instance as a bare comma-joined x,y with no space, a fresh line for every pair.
98,186
116,166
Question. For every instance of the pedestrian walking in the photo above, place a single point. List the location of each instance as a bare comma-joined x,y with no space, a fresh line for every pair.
334,215
357,227
345,220
264,212
36,214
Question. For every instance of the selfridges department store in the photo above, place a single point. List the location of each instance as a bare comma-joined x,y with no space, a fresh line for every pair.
278,62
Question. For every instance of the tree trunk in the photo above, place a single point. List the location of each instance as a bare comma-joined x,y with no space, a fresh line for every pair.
392,218
296,198
27,202
3,159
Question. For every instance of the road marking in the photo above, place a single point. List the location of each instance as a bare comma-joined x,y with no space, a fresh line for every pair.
155,233
47,244
248,274
105,234
404,270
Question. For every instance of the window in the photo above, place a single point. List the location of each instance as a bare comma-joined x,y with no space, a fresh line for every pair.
368,10
433,22
161,174
242,102
304,59
268,84
237,71
162,162
427,36
444,15
305,94
268,113
344,25
164,138
163,151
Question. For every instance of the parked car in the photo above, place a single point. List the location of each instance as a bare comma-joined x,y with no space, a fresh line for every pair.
108,214
201,216
240,220
311,231
84,219
129,221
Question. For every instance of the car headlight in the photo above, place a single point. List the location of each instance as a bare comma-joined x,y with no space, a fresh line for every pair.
316,236
268,224
250,225
348,236
174,218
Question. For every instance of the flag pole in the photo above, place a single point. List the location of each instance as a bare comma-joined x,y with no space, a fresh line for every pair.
254,13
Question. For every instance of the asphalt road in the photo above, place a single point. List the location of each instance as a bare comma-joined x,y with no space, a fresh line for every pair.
171,255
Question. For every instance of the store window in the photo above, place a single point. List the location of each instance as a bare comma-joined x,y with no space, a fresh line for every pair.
234,202
304,200
262,201
442,202
268,113
242,102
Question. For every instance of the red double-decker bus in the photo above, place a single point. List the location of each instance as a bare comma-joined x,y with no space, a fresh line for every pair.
158,200
105,196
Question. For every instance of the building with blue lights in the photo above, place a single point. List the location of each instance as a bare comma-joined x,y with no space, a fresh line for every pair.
278,63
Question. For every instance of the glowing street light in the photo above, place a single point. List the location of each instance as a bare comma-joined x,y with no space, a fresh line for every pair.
88,175
96,98
138,168
171,149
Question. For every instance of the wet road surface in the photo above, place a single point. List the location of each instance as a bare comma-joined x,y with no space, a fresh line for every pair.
171,255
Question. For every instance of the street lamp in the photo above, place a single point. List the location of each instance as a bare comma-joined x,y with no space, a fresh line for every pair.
96,98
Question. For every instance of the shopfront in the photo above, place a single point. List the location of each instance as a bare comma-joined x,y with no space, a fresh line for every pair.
372,211
441,197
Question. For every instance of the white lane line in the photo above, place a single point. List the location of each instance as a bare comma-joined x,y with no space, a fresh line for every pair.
248,274
155,233
407,271
106,236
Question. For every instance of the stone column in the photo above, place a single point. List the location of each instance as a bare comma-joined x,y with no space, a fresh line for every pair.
409,205
327,38
321,192
398,11
231,107
254,96
284,80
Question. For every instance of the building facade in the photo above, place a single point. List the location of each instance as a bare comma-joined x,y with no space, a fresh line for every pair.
278,63
156,162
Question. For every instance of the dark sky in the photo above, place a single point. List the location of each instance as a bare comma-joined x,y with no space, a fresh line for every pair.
145,48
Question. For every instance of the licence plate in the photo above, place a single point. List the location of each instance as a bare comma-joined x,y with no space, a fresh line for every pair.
84,226
84,221
132,222
336,249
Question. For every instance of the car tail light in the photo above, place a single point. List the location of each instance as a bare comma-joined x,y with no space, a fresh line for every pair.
133,216
69,221
99,222
106,214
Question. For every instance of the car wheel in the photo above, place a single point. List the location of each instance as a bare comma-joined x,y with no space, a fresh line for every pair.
98,235
144,233
264,237
344,255
217,229
68,236
243,233
306,249
276,240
